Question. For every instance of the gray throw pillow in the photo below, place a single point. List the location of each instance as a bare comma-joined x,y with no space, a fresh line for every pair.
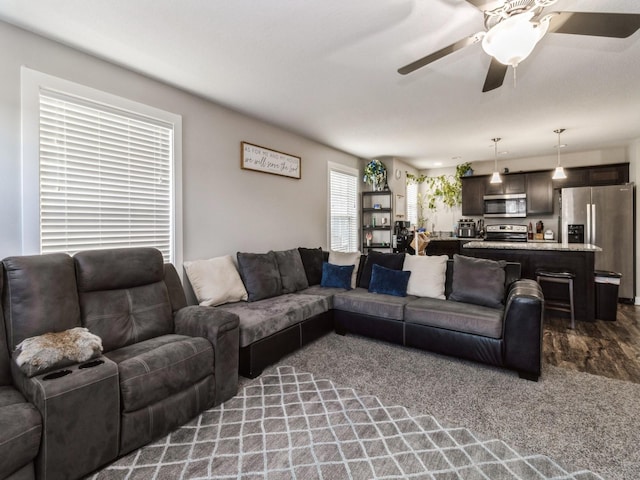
260,275
478,281
291,269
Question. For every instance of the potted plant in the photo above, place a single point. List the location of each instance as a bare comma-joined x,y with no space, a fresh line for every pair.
375,174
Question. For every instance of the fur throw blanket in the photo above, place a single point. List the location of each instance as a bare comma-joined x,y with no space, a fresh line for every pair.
46,352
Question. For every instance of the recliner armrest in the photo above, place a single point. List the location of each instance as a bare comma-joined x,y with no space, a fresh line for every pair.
221,329
523,321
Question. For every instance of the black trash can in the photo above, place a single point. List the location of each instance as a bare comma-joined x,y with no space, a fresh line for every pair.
607,284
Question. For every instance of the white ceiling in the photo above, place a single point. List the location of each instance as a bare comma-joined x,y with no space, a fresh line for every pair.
327,69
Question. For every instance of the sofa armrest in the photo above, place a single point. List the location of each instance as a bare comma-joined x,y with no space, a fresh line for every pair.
523,320
221,329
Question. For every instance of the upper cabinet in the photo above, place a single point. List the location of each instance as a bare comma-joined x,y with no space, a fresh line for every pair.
539,193
473,189
598,175
511,183
538,186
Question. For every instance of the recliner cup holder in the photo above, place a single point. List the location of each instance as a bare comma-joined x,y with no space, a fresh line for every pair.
91,364
58,374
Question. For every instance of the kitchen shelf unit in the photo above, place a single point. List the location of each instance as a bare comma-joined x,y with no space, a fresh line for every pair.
377,221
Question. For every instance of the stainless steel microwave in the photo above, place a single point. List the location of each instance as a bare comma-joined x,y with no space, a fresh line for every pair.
505,206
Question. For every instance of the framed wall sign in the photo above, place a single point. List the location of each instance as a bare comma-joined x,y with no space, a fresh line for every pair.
260,159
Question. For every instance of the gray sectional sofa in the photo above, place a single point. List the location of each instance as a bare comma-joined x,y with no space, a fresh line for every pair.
162,362
486,312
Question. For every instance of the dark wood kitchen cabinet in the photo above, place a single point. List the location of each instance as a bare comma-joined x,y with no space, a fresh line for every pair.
511,183
539,193
593,176
473,189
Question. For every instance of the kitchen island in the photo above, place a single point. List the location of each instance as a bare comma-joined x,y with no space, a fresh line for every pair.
578,258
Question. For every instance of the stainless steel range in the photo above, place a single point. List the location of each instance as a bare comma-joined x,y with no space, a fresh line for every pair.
506,233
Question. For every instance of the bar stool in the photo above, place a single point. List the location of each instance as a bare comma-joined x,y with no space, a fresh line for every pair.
565,278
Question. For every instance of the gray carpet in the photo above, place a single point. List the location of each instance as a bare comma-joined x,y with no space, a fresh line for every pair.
580,420
291,425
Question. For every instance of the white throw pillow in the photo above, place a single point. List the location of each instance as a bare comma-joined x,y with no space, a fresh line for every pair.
428,275
216,281
342,258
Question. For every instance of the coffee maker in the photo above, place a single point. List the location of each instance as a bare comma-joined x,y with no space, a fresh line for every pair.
401,236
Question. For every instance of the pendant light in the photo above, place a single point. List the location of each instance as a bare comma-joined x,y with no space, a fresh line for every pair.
559,174
495,178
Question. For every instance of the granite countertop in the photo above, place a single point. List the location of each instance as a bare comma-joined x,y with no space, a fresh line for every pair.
572,247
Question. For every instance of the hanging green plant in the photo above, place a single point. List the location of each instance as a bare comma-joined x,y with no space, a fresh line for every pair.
445,188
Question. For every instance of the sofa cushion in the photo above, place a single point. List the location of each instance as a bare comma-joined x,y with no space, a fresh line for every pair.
292,274
393,261
347,258
336,276
461,317
40,296
20,431
266,317
312,259
387,281
215,281
359,300
428,275
260,275
125,316
327,293
158,368
478,281
118,268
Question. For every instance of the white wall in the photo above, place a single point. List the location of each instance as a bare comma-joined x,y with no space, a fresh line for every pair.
226,209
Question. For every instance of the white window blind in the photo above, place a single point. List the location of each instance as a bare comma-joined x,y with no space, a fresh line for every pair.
412,203
105,177
343,210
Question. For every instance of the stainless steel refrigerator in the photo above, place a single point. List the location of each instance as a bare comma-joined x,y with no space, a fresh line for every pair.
608,220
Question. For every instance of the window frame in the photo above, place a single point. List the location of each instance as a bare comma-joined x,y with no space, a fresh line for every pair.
332,166
32,82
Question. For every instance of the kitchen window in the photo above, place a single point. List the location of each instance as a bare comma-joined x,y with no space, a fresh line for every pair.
105,173
343,208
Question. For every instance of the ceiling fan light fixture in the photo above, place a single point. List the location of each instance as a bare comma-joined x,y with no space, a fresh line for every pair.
514,38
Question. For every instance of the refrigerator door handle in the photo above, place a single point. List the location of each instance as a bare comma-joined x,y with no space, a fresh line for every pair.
587,236
593,222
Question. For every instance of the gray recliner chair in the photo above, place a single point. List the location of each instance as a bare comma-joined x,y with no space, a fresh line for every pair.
163,362
20,423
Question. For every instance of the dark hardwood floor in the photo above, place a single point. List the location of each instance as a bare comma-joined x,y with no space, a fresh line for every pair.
610,349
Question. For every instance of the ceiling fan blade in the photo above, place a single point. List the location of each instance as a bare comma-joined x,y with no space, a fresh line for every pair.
413,66
495,75
617,25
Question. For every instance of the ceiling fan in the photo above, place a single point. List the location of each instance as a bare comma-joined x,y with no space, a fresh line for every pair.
514,27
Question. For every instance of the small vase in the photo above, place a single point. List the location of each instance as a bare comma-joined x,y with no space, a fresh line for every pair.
374,186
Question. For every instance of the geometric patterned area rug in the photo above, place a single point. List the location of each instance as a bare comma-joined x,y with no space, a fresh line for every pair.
291,426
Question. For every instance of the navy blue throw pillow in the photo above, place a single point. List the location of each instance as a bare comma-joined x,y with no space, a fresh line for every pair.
388,281
336,276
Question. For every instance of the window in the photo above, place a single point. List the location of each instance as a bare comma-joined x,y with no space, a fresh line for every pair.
412,203
106,173
343,208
